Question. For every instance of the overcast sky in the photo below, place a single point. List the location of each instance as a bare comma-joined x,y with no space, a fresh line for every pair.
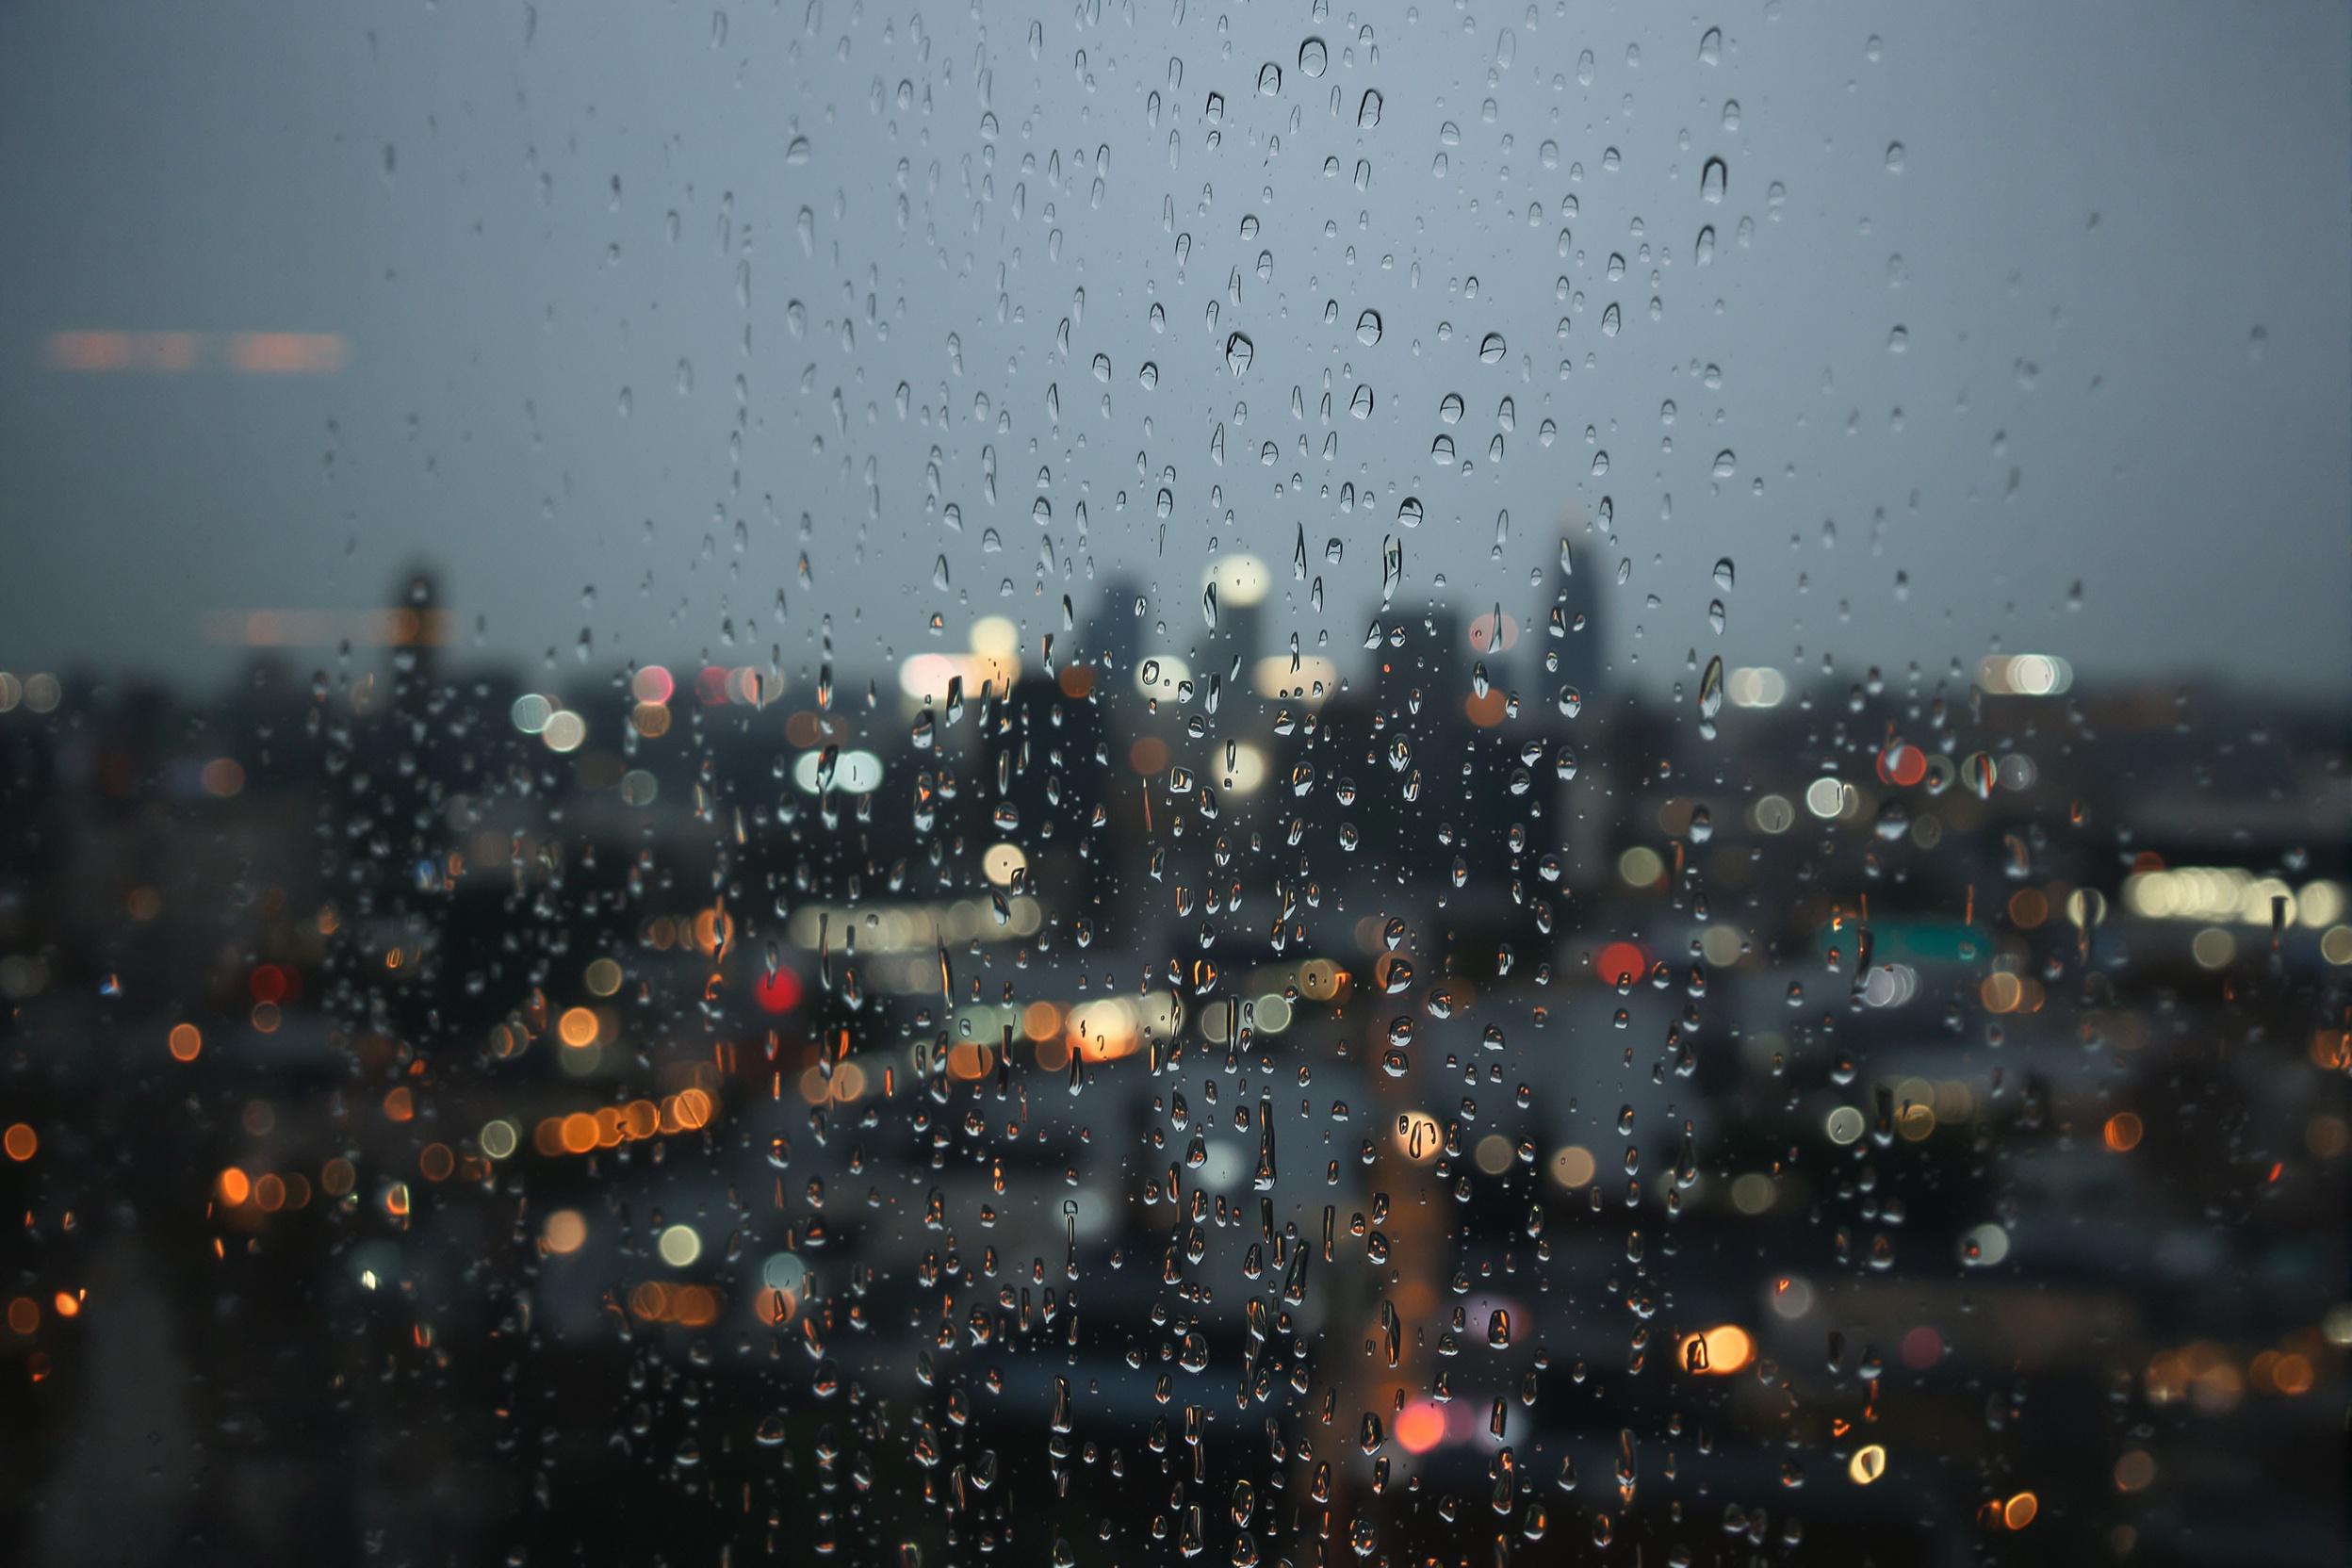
626,293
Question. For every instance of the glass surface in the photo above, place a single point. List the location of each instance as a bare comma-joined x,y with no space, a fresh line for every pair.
1112,784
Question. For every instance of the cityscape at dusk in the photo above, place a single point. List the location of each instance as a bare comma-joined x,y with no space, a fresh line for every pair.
1274,787
859,1004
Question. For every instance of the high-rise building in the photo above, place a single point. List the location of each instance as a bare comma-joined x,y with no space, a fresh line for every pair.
415,627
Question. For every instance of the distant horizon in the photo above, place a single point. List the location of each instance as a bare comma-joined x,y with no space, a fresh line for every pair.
557,672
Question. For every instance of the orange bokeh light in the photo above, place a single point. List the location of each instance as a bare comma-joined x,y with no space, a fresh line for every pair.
286,353
1717,1353
1420,1427
1485,712
564,1232
713,930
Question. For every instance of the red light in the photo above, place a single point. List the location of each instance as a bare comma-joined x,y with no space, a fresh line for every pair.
710,686
267,984
1620,963
778,992
1901,763
1923,1347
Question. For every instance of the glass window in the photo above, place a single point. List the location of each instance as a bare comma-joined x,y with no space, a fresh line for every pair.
1116,783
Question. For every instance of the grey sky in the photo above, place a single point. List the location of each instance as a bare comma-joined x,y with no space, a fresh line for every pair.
2123,233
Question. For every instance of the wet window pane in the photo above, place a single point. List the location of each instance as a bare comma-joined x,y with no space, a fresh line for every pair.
1126,783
